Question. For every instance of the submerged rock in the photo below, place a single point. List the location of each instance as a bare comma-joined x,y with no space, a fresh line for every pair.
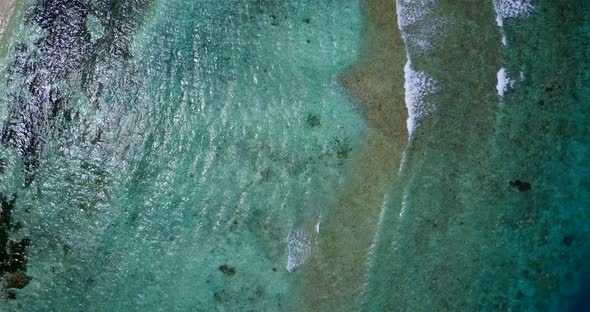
521,185
342,148
313,120
9,294
13,254
18,279
568,240
227,270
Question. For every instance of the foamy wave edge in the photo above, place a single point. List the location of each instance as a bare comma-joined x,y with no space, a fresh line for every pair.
418,36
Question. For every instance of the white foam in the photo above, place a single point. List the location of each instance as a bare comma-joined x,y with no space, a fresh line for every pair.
419,27
511,9
402,211
410,12
402,164
499,20
299,246
417,86
504,82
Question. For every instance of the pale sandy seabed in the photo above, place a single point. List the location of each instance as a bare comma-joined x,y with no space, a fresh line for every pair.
335,276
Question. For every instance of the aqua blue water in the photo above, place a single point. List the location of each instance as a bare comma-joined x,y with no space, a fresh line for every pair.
174,155
215,137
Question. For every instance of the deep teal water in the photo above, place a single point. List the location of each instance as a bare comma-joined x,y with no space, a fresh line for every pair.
471,239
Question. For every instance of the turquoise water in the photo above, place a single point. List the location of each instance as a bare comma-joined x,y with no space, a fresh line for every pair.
175,155
220,130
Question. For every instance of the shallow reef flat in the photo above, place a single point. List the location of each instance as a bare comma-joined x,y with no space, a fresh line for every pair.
492,203
334,278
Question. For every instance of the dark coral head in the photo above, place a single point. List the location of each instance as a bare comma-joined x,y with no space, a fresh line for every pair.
521,185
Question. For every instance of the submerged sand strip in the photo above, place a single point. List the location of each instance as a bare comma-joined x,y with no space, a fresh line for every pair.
335,276
449,229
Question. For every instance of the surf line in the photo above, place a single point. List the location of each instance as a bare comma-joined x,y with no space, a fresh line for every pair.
506,9
510,9
417,84
419,30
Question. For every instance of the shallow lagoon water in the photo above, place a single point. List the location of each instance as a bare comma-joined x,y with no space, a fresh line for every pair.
255,156
225,131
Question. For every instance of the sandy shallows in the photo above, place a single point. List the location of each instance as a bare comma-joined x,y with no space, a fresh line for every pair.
334,277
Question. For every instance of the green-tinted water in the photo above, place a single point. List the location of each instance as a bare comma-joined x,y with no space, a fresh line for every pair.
494,215
174,155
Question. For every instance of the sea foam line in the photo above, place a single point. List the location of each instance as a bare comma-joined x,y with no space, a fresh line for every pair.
300,246
511,9
418,26
419,30
373,248
417,86
504,82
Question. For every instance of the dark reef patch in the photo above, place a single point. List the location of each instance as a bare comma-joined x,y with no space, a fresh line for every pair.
342,149
568,240
38,108
40,79
17,280
217,297
521,185
227,270
313,120
13,254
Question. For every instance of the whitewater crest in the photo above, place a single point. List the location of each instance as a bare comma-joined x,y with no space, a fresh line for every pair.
420,30
417,86
511,9
506,9
505,83
300,246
